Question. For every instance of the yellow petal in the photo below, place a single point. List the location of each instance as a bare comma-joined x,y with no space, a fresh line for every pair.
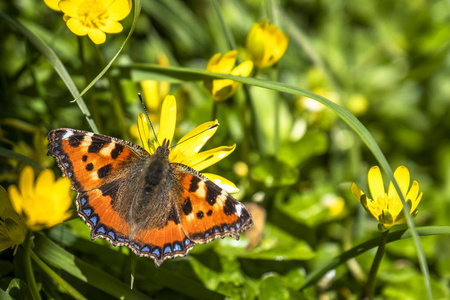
225,64
168,119
205,159
192,142
66,17
256,46
223,89
376,185
26,182
119,9
356,191
412,195
244,69
416,203
151,94
277,44
224,183
70,7
213,61
44,182
401,175
76,27
16,199
97,36
144,132
61,189
111,26
266,44
53,4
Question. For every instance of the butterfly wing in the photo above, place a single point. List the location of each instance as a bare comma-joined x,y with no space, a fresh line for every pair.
207,211
101,169
109,175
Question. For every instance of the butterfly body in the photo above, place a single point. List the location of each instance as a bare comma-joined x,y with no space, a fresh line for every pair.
157,208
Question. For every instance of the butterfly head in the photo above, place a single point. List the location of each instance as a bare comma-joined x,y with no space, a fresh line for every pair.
164,149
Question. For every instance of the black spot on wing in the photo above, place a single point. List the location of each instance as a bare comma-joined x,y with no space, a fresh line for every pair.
200,215
104,171
194,184
116,151
96,145
173,216
89,167
209,212
75,140
187,206
230,206
212,192
84,158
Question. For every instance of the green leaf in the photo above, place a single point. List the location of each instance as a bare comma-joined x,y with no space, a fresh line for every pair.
102,251
276,245
10,154
4,295
18,289
274,173
86,272
311,144
54,60
312,207
274,287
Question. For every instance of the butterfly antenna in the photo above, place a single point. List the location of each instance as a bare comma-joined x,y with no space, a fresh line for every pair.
209,128
148,118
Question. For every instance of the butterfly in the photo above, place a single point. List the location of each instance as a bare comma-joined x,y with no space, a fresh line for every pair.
130,197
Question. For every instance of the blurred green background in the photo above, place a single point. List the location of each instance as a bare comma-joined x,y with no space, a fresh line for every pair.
387,62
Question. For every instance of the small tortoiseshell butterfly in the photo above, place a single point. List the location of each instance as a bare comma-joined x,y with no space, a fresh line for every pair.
157,208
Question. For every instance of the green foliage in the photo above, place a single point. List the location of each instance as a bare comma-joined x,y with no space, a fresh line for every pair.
359,85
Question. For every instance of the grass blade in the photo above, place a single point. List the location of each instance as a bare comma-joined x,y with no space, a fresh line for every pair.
54,60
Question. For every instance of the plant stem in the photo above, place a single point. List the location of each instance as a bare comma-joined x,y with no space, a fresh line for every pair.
52,274
31,281
370,287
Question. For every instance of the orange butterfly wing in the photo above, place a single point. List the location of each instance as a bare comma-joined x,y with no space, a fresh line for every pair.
207,211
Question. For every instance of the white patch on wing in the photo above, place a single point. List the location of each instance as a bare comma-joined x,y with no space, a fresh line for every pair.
94,175
220,200
68,134
201,191
239,209
190,217
87,141
106,151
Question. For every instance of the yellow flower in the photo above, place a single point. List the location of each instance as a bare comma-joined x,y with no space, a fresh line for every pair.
53,4
186,151
95,17
154,92
388,208
43,204
222,89
266,44
12,228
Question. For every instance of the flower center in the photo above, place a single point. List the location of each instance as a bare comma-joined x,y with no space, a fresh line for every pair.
93,14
